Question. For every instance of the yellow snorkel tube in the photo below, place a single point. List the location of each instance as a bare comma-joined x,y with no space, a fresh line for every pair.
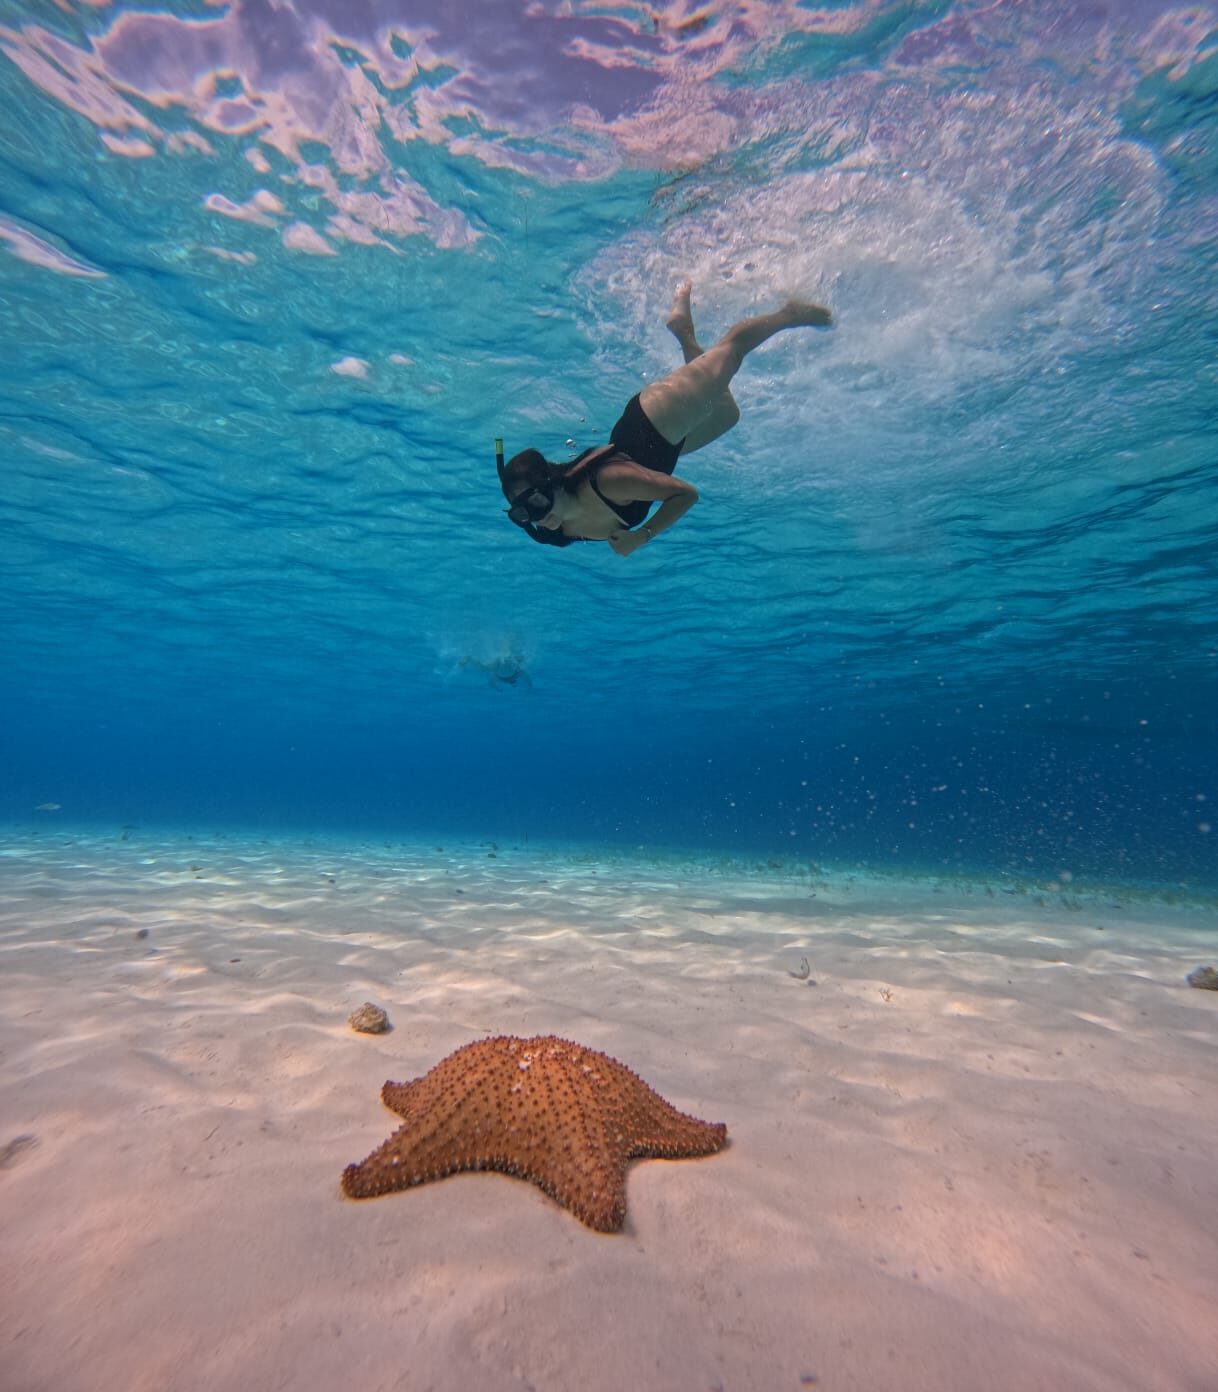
499,455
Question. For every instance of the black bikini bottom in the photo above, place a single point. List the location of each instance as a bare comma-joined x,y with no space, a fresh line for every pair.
635,435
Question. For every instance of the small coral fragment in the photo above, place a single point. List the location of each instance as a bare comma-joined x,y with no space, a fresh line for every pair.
369,1019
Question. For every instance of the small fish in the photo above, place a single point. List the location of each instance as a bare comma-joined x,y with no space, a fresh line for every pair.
48,807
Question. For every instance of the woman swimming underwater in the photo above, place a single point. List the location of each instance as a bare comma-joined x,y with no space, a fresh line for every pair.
606,494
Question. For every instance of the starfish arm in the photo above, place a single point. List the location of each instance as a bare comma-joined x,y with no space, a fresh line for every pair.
654,1127
591,1186
697,1138
396,1096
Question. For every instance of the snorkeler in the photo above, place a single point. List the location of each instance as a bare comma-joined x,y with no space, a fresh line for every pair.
605,494
505,670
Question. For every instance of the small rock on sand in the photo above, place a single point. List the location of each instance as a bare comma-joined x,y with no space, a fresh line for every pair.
369,1019
1204,978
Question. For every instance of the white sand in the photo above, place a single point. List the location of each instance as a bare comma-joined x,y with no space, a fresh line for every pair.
980,1153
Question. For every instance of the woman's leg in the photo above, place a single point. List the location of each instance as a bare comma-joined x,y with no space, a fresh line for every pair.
725,413
681,406
680,322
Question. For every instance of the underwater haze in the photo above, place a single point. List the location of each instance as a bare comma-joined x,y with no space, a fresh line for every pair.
273,277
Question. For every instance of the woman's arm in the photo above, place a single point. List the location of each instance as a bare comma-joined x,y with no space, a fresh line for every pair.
631,483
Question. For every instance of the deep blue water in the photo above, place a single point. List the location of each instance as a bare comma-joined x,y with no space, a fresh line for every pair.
272,278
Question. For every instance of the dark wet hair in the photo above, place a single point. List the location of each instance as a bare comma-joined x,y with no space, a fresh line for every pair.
528,469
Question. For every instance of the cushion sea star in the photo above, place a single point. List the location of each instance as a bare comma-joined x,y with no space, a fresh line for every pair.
550,1111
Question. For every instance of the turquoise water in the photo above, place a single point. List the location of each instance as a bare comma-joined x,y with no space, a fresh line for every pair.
272,279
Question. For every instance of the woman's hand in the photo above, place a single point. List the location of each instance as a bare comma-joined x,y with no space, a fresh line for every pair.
627,543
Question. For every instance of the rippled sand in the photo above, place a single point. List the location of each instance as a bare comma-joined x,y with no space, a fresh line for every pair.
974,1148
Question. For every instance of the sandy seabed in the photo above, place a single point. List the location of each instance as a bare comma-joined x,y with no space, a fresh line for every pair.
976,1148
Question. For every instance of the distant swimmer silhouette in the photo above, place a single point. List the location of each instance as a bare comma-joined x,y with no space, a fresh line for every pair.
507,669
605,494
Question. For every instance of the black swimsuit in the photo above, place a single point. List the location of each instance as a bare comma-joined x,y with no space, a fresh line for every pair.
639,440
634,439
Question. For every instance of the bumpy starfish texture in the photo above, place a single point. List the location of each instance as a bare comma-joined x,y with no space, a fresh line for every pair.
550,1111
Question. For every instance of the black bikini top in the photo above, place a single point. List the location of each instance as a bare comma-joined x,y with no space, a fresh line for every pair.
630,513
583,466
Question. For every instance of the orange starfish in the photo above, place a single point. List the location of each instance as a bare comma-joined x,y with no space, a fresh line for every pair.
550,1111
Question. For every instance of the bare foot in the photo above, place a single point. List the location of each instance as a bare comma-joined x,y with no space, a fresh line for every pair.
680,321
804,313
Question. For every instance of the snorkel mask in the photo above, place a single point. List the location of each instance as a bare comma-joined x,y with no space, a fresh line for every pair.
531,505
